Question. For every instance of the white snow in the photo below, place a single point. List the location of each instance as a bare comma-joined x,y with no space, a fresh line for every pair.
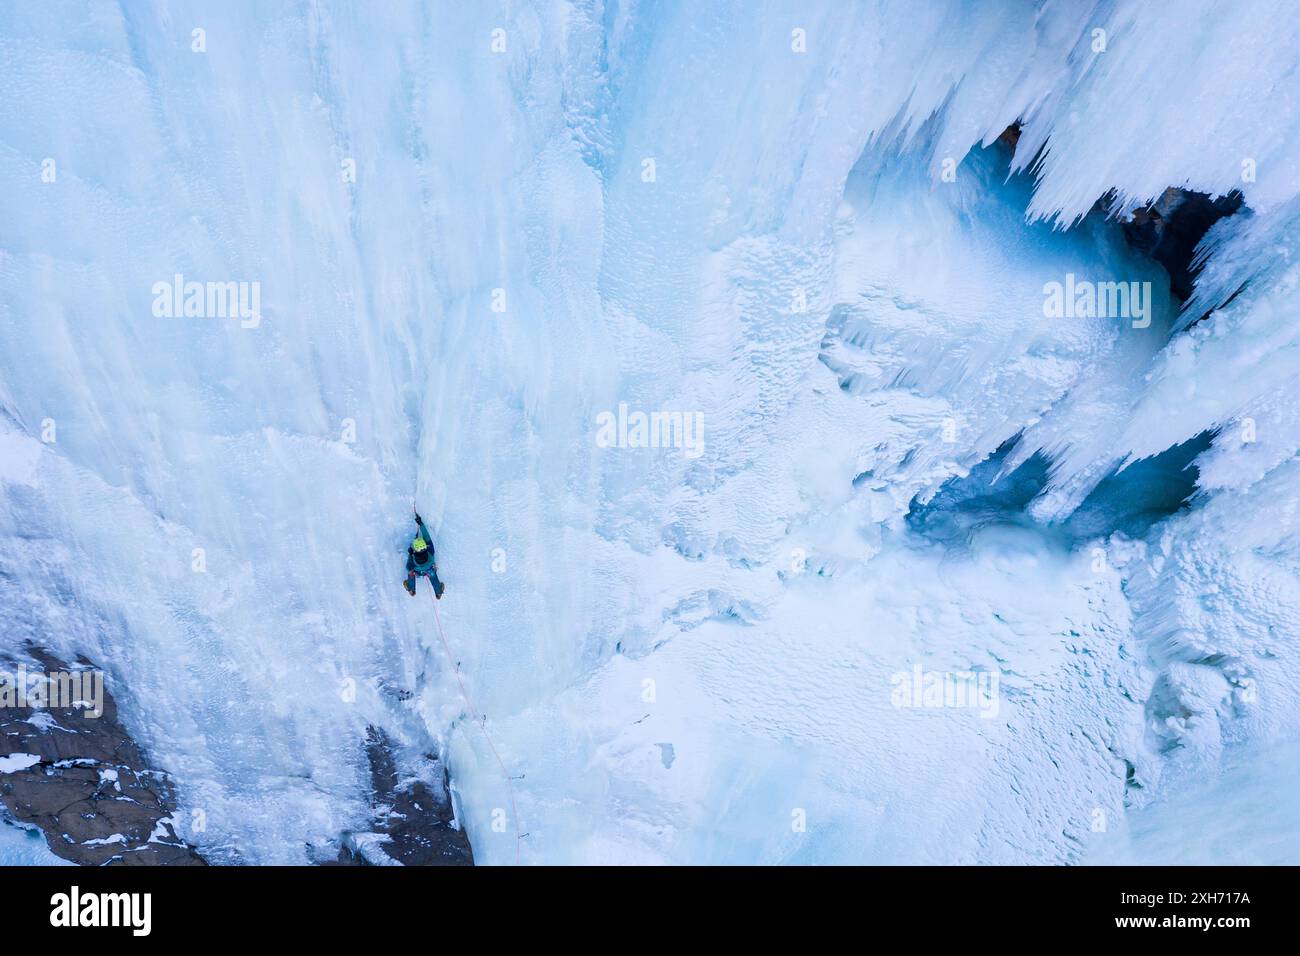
12,763
105,841
44,722
674,208
110,775
1245,816
370,846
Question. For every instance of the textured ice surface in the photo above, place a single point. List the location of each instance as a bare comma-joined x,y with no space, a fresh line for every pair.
1246,815
22,847
653,192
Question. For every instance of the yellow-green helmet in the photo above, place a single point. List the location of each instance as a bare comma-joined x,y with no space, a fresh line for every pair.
419,544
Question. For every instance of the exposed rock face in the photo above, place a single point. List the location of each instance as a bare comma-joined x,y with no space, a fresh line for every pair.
1169,229
81,778
413,822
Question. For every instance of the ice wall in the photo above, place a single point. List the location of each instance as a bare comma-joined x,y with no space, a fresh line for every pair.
469,244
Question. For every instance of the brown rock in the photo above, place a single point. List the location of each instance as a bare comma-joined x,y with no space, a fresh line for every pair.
93,792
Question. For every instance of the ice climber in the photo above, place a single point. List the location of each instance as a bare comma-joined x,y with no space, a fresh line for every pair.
420,563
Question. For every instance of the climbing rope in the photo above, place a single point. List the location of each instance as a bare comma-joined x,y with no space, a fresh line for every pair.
482,725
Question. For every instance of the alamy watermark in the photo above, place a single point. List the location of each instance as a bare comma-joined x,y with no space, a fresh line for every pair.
969,690
208,300
75,908
64,690
1082,299
662,429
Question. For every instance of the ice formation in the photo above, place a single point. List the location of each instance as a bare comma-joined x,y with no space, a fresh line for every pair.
475,228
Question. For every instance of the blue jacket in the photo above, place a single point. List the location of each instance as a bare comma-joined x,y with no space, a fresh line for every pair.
420,567
427,565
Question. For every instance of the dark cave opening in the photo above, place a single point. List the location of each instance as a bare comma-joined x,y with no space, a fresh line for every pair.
1130,500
